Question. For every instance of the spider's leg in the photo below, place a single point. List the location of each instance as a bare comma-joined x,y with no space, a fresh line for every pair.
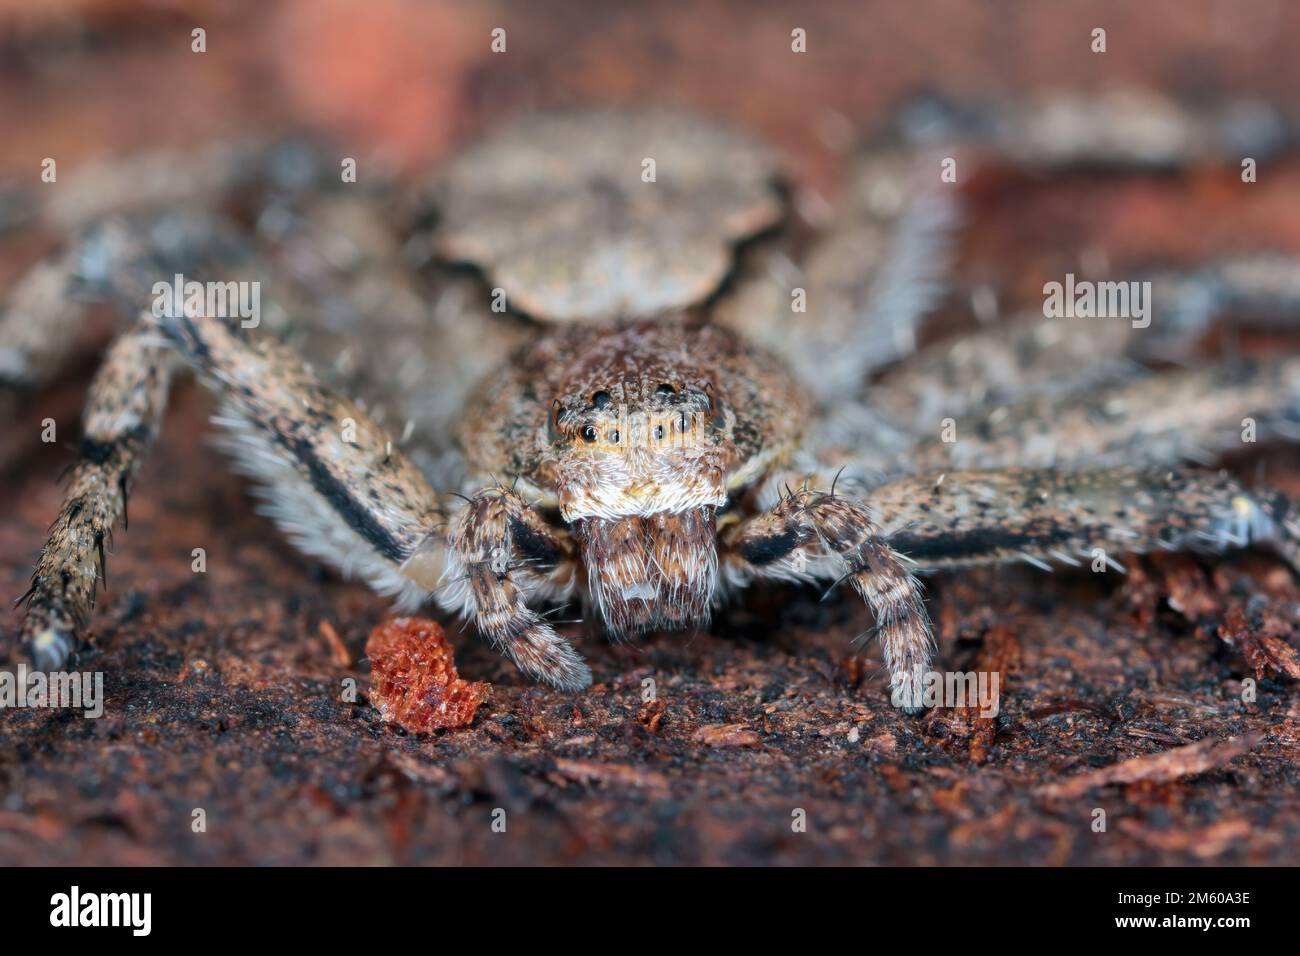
334,482
117,261
115,255
1258,290
123,411
1161,419
414,349
38,330
812,535
1045,516
990,381
857,302
1036,356
500,554
1028,356
1126,130
273,171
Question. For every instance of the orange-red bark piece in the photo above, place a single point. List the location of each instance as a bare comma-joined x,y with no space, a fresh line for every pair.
413,679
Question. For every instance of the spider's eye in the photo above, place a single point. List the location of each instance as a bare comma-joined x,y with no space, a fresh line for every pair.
681,422
659,433
600,399
589,433
665,389
613,437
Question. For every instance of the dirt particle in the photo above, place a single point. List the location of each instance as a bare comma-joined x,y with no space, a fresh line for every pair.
651,715
726,735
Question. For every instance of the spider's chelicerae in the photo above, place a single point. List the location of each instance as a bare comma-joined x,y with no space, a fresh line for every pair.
667,409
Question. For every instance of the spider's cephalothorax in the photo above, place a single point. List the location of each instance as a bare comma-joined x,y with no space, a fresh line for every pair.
638,435
657,421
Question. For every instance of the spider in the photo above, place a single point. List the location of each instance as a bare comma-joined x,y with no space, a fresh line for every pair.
667,409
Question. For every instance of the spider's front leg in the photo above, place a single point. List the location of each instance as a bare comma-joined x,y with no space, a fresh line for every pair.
499,554
811,535
124,408
335,483
1043,516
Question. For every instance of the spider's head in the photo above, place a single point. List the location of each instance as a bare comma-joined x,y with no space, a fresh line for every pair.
639,447
639,462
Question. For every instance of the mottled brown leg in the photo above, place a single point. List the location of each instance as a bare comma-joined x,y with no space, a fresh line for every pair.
1257,290
1161,419
38,328
858,301
209,177
334,482
115,262
1123,130
1046,517
1000,390
330,477
813,535
123,412
1022,357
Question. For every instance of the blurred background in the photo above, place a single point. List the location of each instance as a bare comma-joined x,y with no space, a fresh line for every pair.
81,77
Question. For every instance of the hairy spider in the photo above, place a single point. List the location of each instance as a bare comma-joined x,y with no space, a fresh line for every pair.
668,410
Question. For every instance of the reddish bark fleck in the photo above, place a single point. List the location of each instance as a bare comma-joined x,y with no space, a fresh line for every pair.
413,680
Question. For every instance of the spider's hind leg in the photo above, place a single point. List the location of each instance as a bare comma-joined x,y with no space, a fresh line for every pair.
38,328
1195,414
116,262
866,285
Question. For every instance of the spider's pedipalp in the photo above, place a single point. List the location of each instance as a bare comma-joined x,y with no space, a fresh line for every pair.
650,572
499,555
811,535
